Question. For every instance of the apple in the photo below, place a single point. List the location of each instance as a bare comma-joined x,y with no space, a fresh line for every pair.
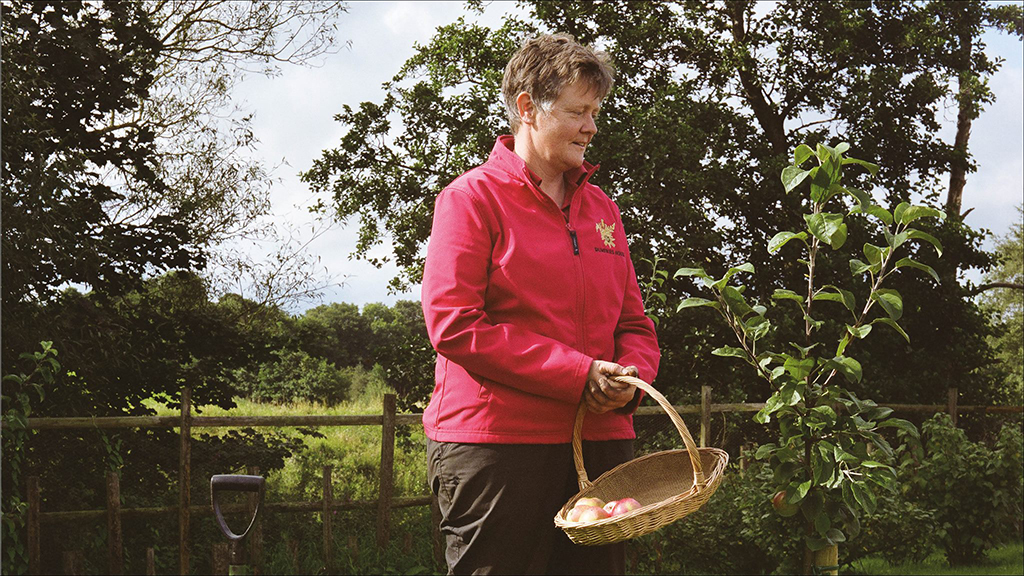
592,513
589,502
574,514
610,506
624,505
782,507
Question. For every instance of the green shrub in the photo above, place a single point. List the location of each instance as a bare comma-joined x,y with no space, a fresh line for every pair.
899,530
296,375
974,490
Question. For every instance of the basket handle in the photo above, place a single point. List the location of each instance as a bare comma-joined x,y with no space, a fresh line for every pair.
699,481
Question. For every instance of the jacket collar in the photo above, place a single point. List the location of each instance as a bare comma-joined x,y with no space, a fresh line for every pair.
503,155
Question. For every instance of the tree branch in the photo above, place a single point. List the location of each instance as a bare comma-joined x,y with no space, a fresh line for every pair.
992,285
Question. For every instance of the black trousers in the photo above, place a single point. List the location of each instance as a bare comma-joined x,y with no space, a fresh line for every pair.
498,503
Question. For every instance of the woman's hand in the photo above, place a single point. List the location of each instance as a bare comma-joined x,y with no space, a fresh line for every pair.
601,392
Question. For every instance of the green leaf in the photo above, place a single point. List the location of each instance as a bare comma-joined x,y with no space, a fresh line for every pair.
804,350
858,267
912,213
881,213
801,154
897,213
901,424
827,227
848,367
799,369
792,176
862,197
834,535
822,523
846,298
730,351
890,300
781,294
813,505
764,451
814,543
735,301
894,325
859,332
842,147
908,263
864,497
800,492
780,240
694,302
825,414
919,235
872,168
745,267
821,181
873,253
691,272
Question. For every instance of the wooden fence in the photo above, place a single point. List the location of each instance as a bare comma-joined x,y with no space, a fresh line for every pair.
384,504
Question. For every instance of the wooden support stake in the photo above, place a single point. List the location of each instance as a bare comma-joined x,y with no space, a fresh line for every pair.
34,566
219,560
70,561
255,536
705,415
327,513
185,480
387,471
150,562
115,552
951,395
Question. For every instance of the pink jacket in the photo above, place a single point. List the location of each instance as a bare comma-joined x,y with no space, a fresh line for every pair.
518,301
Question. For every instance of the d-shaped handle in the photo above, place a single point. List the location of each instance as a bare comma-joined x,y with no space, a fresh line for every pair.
235,483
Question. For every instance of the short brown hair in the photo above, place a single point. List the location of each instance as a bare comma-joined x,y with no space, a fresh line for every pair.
545,65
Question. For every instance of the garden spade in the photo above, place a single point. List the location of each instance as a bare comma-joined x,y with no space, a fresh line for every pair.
221,483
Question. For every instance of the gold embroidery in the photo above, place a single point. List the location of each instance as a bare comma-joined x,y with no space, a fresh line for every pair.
607,232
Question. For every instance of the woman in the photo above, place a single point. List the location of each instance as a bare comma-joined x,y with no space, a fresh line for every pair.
532,304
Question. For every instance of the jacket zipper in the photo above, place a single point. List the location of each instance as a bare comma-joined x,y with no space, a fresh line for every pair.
575,241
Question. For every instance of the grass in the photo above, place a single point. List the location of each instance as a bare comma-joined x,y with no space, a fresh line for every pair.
1003,560
352,451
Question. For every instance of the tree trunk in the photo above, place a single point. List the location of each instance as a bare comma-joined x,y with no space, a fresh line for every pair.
767,115
967,112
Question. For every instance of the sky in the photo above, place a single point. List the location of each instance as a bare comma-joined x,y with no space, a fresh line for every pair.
293,120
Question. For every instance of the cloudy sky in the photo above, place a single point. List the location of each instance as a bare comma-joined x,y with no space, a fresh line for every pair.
294,123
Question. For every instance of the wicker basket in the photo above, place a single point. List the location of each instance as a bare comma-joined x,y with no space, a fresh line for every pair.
669,484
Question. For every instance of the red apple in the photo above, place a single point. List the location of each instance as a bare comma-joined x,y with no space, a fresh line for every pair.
625,505
589,502
610,506
781,506
574,514
592,513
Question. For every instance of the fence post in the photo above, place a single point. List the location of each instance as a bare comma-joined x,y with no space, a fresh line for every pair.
71,563
256,534
185,480
328,535
33,526
435,531
115,556
951,403
387,471
705,415
150,562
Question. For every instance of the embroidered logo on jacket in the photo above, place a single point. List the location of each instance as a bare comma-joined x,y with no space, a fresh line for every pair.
607,232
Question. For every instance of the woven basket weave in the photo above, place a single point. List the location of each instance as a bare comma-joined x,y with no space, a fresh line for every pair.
669,484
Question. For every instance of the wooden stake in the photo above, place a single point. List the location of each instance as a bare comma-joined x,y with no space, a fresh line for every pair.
705,416
327,513
185,480
115,552
387,471
34,566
